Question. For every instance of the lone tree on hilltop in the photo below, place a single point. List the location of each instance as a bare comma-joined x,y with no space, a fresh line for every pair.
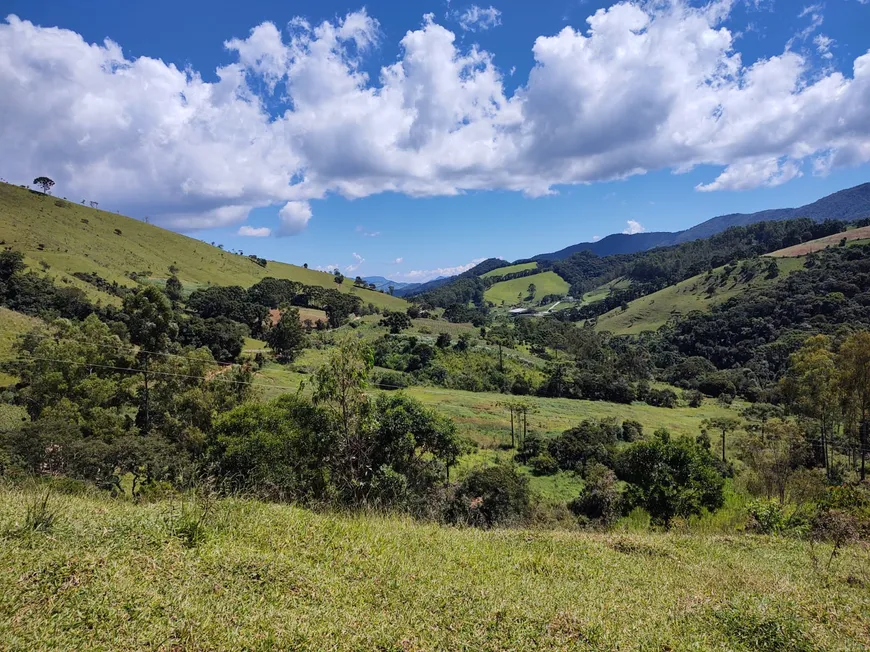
45,183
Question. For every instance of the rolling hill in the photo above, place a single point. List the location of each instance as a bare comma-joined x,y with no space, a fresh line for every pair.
852,236
60,238
700,292
508,291
849,204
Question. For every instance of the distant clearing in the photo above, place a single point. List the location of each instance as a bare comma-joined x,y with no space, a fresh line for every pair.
480,417
510,269
509,291
805,248
700,292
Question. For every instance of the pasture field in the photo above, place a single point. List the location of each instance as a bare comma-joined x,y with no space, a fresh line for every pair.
480,416
113,574
651,312
59,238
510,269
508,291
861,233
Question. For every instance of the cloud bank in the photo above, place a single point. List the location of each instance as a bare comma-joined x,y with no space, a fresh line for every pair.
642,86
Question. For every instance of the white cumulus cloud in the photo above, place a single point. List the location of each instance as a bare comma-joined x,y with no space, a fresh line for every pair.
254,232
644,85
398,261
632,227
294,217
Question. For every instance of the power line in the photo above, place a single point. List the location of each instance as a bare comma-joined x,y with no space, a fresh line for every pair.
139,371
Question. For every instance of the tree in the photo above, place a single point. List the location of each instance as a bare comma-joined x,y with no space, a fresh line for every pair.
811,386
11,262
853,363
174,289
724,425
278,449
670,477
774,458
45,183
391,289
444,340
532,289
340,388
305,265
287,337
337,277
396,321
224,337
150,319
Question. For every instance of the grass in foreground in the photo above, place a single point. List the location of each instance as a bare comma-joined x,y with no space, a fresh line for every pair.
108,574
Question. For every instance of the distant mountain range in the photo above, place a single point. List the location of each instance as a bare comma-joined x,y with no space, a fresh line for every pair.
399,289
849,204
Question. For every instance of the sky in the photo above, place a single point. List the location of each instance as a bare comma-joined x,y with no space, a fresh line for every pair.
412,139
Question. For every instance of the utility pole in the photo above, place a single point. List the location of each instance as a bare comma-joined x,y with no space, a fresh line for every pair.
147,398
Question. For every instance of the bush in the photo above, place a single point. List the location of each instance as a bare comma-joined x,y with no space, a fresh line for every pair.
591,441
543,464
390,380
670,477
631,430
495,495
600,501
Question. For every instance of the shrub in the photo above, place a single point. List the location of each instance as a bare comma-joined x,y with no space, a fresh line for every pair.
495,495
631,430
670,477
600,501
543,464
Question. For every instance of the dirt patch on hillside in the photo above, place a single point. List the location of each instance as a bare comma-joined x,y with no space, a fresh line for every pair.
822,243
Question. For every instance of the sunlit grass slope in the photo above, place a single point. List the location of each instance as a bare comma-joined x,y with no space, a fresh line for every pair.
508,291
60,238
510,269
113,575
697,293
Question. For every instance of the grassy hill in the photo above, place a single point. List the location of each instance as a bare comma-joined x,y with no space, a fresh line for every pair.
60,238
511,269
545,282
697,293
112,574
851,236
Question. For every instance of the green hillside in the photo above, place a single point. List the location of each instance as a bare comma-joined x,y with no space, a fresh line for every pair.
508,291
860,235
113,574
60,238
697,293
511,269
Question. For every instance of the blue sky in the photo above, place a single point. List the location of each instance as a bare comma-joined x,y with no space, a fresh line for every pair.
493,162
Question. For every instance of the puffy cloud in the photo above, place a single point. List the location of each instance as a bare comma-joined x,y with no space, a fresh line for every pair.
421,275
294,217
632,227
398,261
254,232
476,18
596,238
753,173
644,86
